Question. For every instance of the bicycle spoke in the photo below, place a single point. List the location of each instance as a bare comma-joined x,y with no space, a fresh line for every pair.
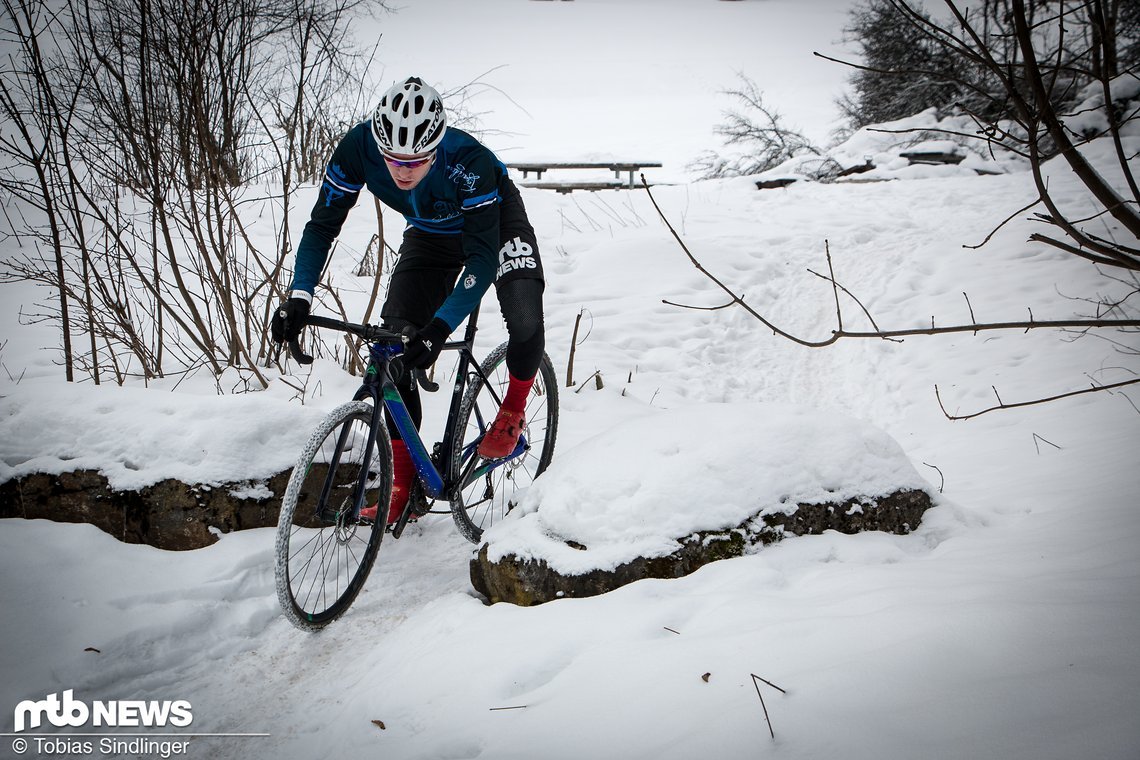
488,488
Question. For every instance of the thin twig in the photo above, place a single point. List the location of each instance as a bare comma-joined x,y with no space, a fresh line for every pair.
1094,389
1004,222
721,285
698,308
1037,438
834,285
1126,398
771,731
1031,324
573,347
1107,260
583,385
942,478
850,295
756,678
765,680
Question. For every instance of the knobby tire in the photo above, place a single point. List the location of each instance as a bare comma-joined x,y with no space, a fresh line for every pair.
481,503
323,556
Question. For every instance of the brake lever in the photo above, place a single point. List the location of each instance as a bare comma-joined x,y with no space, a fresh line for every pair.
419,374
425,383
295,351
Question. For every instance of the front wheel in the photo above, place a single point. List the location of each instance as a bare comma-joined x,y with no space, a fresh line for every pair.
324,552
488,491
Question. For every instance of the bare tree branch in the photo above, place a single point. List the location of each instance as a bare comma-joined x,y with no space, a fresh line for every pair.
1002,406
878,333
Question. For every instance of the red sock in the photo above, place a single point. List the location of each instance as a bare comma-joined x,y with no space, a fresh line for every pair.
403,472
403,469
517,392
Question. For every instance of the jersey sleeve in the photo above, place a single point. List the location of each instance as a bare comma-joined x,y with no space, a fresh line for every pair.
479,204
343,181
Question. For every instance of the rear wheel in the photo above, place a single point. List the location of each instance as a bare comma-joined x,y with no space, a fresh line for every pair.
324,552
491,490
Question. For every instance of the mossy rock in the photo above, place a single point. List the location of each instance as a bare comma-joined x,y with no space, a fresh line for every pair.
528,582
169,514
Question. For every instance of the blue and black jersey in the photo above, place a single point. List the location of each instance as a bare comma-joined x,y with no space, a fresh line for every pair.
459,196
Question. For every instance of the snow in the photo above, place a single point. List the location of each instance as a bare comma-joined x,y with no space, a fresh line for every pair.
1089,117
753,459
661,67
1004,627
161,435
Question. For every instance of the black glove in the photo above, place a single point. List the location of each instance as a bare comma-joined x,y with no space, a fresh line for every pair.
289,319
423,346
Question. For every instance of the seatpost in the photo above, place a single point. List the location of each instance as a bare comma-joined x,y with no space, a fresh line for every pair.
472,327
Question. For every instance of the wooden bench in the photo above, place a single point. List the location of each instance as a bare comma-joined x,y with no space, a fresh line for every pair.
617,167
933,157
768,184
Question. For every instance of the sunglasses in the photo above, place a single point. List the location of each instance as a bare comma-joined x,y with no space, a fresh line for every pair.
413,164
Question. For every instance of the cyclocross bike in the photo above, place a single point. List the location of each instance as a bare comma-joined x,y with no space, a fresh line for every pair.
324,549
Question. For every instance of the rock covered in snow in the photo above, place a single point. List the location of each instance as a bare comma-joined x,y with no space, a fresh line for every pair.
626,505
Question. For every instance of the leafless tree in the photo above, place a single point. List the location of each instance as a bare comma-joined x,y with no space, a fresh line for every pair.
146,137
1055,67
903,71
1046,64
756,128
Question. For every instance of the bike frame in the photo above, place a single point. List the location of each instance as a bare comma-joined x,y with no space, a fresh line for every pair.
379,386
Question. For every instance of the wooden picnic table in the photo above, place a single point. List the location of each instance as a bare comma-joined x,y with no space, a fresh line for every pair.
617,167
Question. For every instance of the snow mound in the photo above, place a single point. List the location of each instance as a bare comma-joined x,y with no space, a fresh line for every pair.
635,489
137,437
882,147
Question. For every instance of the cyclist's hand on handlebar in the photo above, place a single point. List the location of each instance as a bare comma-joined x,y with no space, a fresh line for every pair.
423,346
289,319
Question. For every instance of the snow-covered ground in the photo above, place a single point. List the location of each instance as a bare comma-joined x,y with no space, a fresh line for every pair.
1005,627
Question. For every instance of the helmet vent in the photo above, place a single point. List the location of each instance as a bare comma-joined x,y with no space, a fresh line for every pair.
409,119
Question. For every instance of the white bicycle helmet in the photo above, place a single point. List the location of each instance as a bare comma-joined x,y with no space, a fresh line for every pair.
409,119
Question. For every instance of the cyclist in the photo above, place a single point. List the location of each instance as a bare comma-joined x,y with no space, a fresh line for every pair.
467,228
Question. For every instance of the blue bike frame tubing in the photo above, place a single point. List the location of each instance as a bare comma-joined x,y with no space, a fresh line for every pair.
467,360
381,389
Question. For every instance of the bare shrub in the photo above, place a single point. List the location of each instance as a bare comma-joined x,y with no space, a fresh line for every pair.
146,136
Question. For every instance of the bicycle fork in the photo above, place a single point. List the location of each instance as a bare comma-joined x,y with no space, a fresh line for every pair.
335,514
